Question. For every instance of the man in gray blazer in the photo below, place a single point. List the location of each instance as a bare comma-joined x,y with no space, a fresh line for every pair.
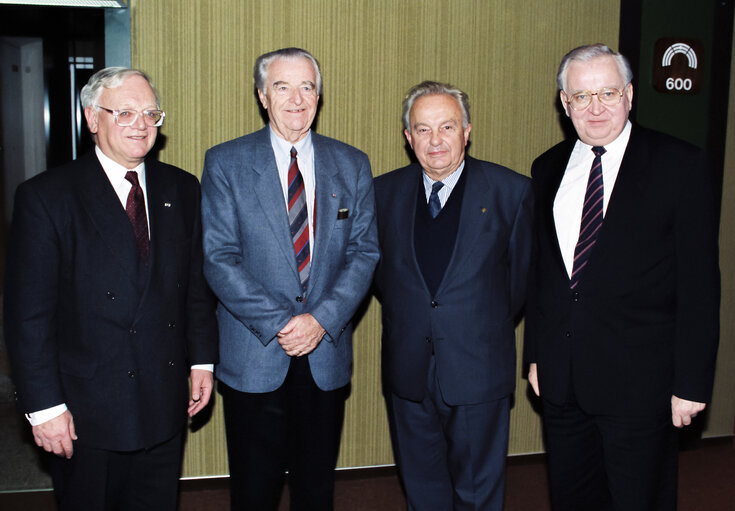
290,247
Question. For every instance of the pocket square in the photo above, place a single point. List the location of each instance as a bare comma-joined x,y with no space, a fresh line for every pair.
343,213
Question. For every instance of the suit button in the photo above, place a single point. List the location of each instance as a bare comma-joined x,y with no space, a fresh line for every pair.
171,324
170,363
131,374
299,299
575,296
110,295
434,304
132,331
567,334
428,339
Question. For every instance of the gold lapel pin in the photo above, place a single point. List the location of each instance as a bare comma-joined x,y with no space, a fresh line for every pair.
483,210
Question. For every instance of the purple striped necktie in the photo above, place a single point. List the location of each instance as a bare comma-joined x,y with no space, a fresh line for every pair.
135,209
591,217
299,220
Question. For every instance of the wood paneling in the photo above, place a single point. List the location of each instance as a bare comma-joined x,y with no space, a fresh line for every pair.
504,54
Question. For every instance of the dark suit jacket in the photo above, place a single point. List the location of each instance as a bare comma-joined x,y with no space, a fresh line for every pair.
469,323
642,324
82,329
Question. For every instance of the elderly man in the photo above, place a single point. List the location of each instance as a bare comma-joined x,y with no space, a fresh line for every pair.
290,248
106,307
622,320
455,237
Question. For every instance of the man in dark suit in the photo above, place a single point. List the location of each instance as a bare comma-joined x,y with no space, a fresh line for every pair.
103,320
455,239
290,248
622,315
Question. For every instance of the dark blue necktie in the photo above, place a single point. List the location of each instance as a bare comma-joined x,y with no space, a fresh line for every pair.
435,205
591,217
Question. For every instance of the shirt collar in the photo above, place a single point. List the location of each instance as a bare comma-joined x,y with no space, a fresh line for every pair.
116,172
304,147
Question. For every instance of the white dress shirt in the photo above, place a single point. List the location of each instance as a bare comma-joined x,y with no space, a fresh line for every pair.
305,159
569,198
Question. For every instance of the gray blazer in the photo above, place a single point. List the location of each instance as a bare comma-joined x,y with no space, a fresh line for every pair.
251,267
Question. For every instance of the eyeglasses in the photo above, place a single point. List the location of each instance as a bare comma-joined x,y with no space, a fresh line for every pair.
123,118
607,96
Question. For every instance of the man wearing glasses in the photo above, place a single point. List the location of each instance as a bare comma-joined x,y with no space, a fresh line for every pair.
106,307
622,315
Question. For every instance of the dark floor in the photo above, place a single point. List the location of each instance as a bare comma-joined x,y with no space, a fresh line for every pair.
706,483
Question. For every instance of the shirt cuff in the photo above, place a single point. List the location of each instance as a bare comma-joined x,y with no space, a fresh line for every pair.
46,415
205,367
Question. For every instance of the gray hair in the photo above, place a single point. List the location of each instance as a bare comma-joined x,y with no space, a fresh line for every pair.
587,53
429,88
109,78
260,71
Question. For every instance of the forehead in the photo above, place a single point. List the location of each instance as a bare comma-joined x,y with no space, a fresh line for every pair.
595,73
133,90
442,106
291,70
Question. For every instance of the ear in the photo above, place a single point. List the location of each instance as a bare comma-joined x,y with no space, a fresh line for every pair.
91,115
564,104
408,137
467,133
629,95
263,99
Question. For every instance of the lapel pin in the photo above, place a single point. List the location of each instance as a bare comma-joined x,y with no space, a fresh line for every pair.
166,204
334,195
483,210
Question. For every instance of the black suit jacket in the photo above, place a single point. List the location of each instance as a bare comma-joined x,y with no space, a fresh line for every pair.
83,328
643,322
469,322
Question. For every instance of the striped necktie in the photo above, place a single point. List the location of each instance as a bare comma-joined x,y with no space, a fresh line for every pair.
299,220
591,217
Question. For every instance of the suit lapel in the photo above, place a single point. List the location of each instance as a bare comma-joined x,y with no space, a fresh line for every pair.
328,198
269,193
620,215
474,207
547,197
108,216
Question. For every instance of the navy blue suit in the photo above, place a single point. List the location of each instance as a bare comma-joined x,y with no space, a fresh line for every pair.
460,341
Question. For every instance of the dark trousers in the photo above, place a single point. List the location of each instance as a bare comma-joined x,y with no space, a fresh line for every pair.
296,428
601,462
450,457
111,480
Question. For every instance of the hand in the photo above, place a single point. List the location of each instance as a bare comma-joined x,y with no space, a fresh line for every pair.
683,411
56,435
202,385
301,335
533,377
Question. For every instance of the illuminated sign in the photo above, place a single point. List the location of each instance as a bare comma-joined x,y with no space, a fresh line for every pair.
677,65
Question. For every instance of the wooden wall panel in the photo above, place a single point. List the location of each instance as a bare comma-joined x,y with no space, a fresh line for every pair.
504,54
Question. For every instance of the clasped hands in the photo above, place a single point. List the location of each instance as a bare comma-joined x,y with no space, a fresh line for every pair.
301,335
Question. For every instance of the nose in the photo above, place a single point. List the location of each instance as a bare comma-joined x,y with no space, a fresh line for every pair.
297,96
435,138
596,106
139,122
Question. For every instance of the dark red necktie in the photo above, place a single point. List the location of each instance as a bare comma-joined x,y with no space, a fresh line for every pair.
591,217
135,209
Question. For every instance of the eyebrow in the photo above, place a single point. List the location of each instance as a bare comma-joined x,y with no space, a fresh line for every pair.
283,82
